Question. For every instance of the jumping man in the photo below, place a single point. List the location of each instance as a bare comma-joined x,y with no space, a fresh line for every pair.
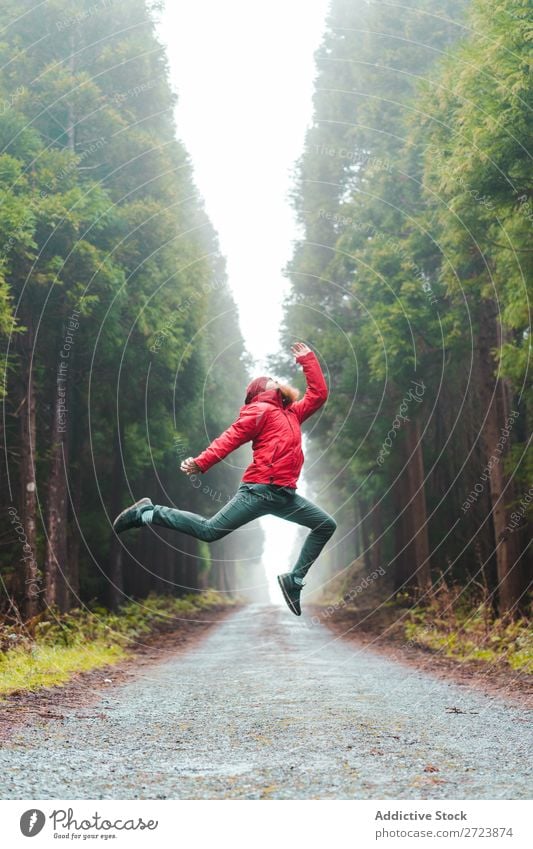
271,419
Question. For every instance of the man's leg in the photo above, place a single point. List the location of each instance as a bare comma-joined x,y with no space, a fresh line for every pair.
303,512
243,508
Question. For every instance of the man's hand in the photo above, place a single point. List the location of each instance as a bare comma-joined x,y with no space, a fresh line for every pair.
189,466
299,349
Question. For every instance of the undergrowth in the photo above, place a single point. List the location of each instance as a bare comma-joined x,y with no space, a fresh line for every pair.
463,626
48,649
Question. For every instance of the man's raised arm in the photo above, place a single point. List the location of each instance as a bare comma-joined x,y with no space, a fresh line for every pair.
316,392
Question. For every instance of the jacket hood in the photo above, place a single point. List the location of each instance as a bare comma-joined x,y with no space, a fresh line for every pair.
257,385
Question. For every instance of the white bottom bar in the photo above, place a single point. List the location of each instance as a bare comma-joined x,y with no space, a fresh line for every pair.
256,824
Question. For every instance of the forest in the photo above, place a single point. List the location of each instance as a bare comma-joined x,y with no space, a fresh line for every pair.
121,350
292,238
411,280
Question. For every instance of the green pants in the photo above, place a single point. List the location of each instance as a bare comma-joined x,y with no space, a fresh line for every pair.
251,501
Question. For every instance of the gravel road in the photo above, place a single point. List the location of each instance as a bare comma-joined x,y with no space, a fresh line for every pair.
268,706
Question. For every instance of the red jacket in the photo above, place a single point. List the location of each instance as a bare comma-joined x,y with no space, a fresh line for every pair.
273,429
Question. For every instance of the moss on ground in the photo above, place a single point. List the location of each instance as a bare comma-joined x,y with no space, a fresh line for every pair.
54,646
472,634
45,666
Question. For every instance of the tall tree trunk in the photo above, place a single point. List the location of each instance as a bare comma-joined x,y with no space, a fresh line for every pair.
169,559
222,553
350,549
143,553
417,506
191,564
216,575
403,544
365,533
74,531
159,564
497,439
56,554
56,568
377,530
356,532
114,590
28,496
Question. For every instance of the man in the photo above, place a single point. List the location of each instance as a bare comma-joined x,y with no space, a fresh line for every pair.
271,419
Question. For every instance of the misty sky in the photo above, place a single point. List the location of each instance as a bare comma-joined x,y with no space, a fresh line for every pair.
244,75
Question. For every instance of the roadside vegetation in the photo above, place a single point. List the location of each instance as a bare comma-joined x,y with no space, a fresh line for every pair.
454,622
50,648
412,278
466,628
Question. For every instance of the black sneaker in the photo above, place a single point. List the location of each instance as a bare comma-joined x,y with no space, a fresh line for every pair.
131,516
291,592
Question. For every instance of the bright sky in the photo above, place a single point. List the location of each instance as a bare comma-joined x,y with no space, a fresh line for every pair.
244,74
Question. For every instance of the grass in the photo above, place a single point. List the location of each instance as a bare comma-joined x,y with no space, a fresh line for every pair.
455,623
458,628
48,650
46,666
511,644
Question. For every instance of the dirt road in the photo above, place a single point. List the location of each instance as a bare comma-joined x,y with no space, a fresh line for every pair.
271,706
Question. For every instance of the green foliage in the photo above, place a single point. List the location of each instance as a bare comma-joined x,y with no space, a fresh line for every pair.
133,619
477,175
413,195
472,634
82,639
99,213
52,665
